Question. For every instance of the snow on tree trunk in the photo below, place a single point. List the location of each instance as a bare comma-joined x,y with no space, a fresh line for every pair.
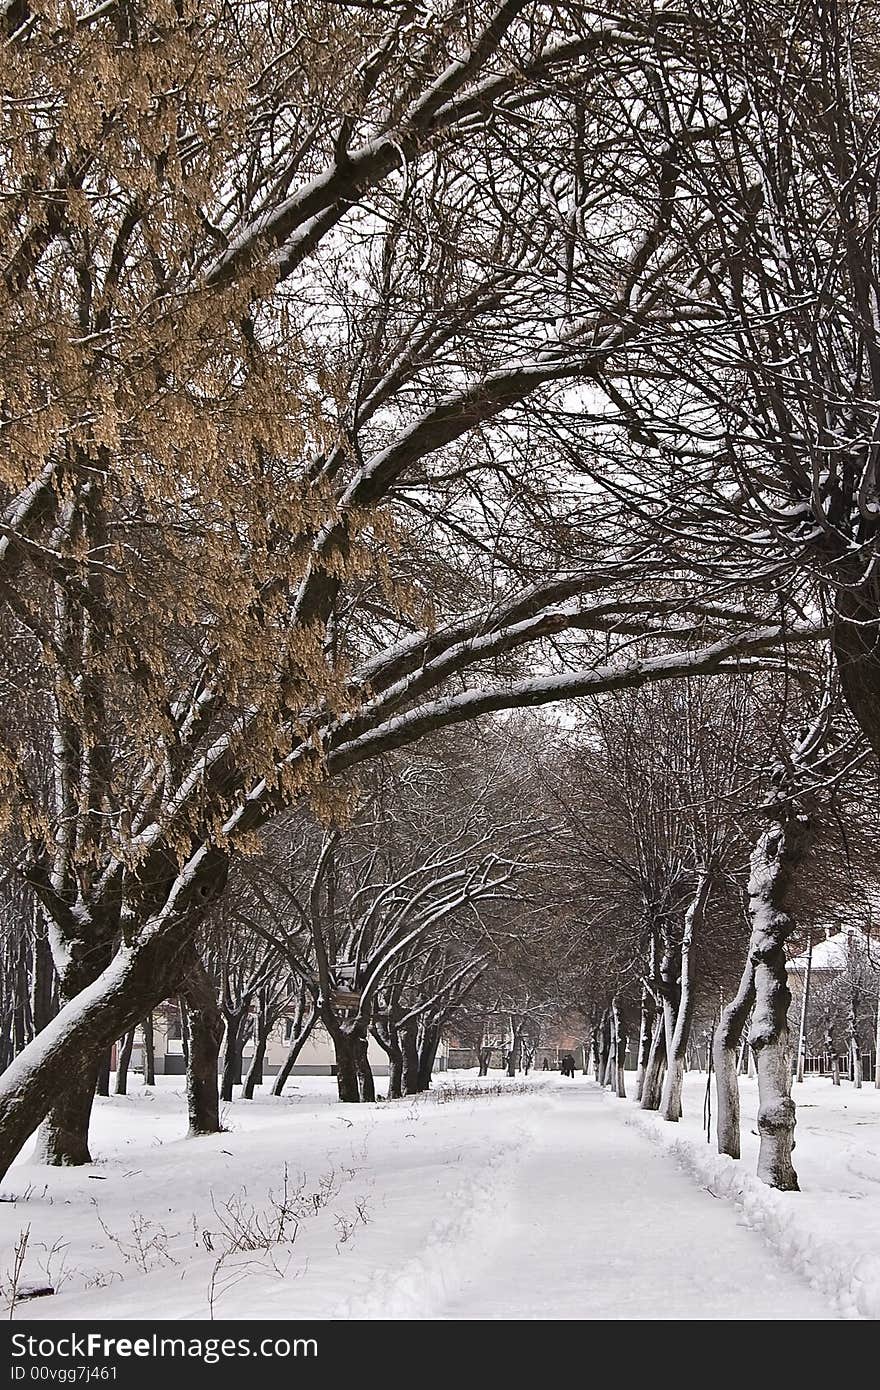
670,1104
647,1015
64,1137
620,1039
831,1050
877,1044
778,851
514,1055
135,980
725,1053
651,1087
852,1033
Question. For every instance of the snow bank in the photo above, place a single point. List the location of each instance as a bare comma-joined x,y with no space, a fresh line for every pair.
830,1231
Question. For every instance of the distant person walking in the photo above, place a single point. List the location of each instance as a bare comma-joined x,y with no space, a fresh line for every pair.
566,1066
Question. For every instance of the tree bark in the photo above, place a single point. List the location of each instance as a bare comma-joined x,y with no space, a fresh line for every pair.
726,1056
386,1036
203,1023
297,1042
646,1027
855,1051
670,1104
43,1003
136,980
102,1083
149,1050
430,1041
346,1067
620,1039
651,1089
255,1070
64,1138
233,1045
366,1083
777,852
125,1046
409,1050
513,1056
605,1049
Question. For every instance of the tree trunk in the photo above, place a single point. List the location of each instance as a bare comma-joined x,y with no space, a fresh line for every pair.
43,1004
298,1040
346,1067
596,1052
646,1028
725,1052
64,1138
651,1089
366,1083
670,1104
430,1041
605,1049
202,1021
670,970
778,850
102,1083
620,1035
149,1050
395,1068
184,1028
233,1045
877,1045
409,1049
255,1070
125,1046
136,980
513,1056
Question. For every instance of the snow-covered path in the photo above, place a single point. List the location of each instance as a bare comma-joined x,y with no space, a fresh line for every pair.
480,1200
593,1229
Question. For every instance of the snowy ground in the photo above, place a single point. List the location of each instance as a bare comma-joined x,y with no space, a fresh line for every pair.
545,1201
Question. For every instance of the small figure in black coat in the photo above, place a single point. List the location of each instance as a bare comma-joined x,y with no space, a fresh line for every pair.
566,1066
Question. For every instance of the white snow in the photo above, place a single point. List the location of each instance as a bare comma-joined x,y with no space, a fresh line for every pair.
830,1231
540,1202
